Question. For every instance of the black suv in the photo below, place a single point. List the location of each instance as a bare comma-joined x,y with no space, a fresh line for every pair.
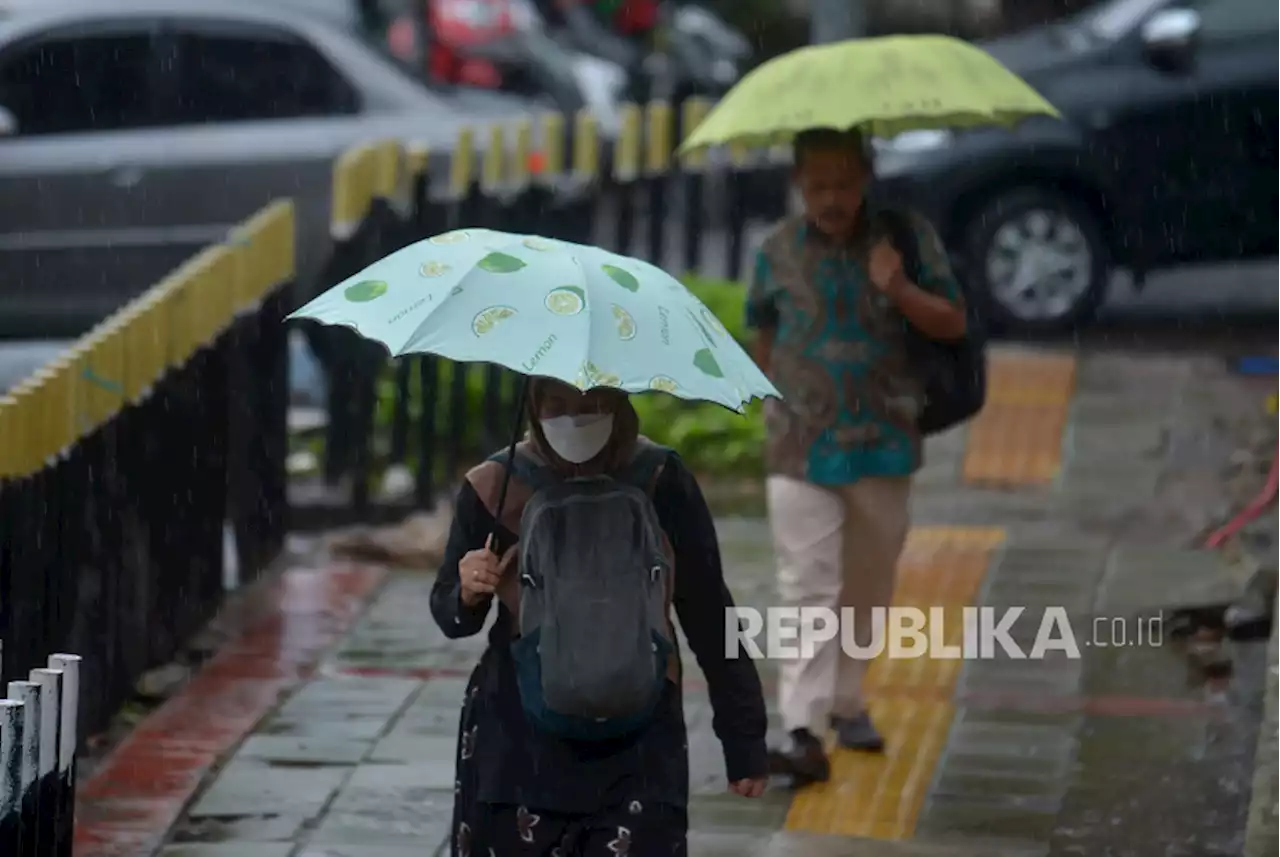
1166,155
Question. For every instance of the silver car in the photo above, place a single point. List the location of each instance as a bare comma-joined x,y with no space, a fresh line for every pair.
134,133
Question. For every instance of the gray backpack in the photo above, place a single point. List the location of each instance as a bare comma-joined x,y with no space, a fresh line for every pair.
595,588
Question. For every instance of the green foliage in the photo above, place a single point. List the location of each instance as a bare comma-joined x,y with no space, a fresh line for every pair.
713,440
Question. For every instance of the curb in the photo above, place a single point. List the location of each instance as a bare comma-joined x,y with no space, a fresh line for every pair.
1261,830
140,790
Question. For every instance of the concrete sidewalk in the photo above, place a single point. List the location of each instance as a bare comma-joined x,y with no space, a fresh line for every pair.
1039,503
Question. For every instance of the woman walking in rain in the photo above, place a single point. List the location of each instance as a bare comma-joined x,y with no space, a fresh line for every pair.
572,740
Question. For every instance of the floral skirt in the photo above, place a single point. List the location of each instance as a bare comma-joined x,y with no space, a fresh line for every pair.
481,829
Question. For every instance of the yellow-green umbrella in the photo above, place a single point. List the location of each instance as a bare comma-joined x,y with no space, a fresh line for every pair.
885,86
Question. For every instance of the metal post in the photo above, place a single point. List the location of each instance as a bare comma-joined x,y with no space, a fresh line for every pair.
68,732
11,722
29,695
836,20
50,682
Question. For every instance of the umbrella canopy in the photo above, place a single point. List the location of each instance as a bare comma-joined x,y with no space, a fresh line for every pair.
885,86
546,308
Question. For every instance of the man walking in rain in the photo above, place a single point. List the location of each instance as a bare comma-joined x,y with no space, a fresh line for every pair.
830,302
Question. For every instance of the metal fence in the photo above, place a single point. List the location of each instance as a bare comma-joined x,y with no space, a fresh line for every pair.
38,741
633,197
130,461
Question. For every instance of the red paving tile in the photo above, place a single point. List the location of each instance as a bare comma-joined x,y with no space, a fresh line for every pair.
139,791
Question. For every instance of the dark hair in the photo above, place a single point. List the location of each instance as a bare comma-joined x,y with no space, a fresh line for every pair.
815,139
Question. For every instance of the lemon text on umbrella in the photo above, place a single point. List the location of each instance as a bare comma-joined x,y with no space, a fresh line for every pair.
532,363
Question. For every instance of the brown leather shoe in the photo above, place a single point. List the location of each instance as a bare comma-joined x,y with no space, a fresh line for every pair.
803,760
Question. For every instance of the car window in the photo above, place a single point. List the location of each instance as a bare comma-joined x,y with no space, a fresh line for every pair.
1222,20
236,77
78,83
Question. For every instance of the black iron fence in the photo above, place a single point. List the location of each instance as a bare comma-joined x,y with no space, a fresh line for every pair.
38,743
129,463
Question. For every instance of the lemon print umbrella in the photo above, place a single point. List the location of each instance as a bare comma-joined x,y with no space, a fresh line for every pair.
545,308
885,86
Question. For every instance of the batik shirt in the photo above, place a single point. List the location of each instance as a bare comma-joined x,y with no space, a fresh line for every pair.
851,394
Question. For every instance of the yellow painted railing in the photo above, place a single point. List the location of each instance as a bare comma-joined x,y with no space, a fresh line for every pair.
117,363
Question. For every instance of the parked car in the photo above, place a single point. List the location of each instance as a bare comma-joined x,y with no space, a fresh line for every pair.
1165,155
134,133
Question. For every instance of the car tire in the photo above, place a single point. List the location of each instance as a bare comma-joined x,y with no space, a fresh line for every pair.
1036,262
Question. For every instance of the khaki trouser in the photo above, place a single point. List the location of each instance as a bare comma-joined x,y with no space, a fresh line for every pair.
836,548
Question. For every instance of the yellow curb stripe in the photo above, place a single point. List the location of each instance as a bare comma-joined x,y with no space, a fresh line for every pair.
879,796
1017,438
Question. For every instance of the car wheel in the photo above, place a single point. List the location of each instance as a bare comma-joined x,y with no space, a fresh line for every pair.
1036,262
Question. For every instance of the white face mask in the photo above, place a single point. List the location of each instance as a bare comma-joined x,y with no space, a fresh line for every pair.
578,439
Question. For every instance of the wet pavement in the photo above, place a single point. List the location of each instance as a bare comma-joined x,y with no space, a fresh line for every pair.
1123,752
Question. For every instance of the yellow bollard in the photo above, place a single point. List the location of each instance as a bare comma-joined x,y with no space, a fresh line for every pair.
462,167
658,137
586,145
494,160
24,457
626,152
8,439
694,111
521,154
552,147
354,178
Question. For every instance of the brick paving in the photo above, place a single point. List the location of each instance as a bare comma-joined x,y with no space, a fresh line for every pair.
987,758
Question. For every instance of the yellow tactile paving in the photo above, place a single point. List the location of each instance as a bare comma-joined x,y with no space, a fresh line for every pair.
1017,438
880,796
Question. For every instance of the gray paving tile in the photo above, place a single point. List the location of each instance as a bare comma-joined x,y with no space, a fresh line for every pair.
423,823
342,697
374,785
367,850
228,849
362,728
727,813
407,747
318,750
257,828
249,788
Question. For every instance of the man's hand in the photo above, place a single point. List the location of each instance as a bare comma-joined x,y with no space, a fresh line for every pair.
748,788
480,572
884,267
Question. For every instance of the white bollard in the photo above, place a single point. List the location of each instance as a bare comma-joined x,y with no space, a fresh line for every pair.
11,721
68,727
28,693
50,682
69,730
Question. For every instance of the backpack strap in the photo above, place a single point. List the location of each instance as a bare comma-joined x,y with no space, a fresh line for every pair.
649,458
527,469
902,234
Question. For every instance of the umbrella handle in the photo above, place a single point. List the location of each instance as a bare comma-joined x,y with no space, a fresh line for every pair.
510,464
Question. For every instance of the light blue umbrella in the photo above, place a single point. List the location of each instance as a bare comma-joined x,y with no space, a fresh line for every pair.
547,308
